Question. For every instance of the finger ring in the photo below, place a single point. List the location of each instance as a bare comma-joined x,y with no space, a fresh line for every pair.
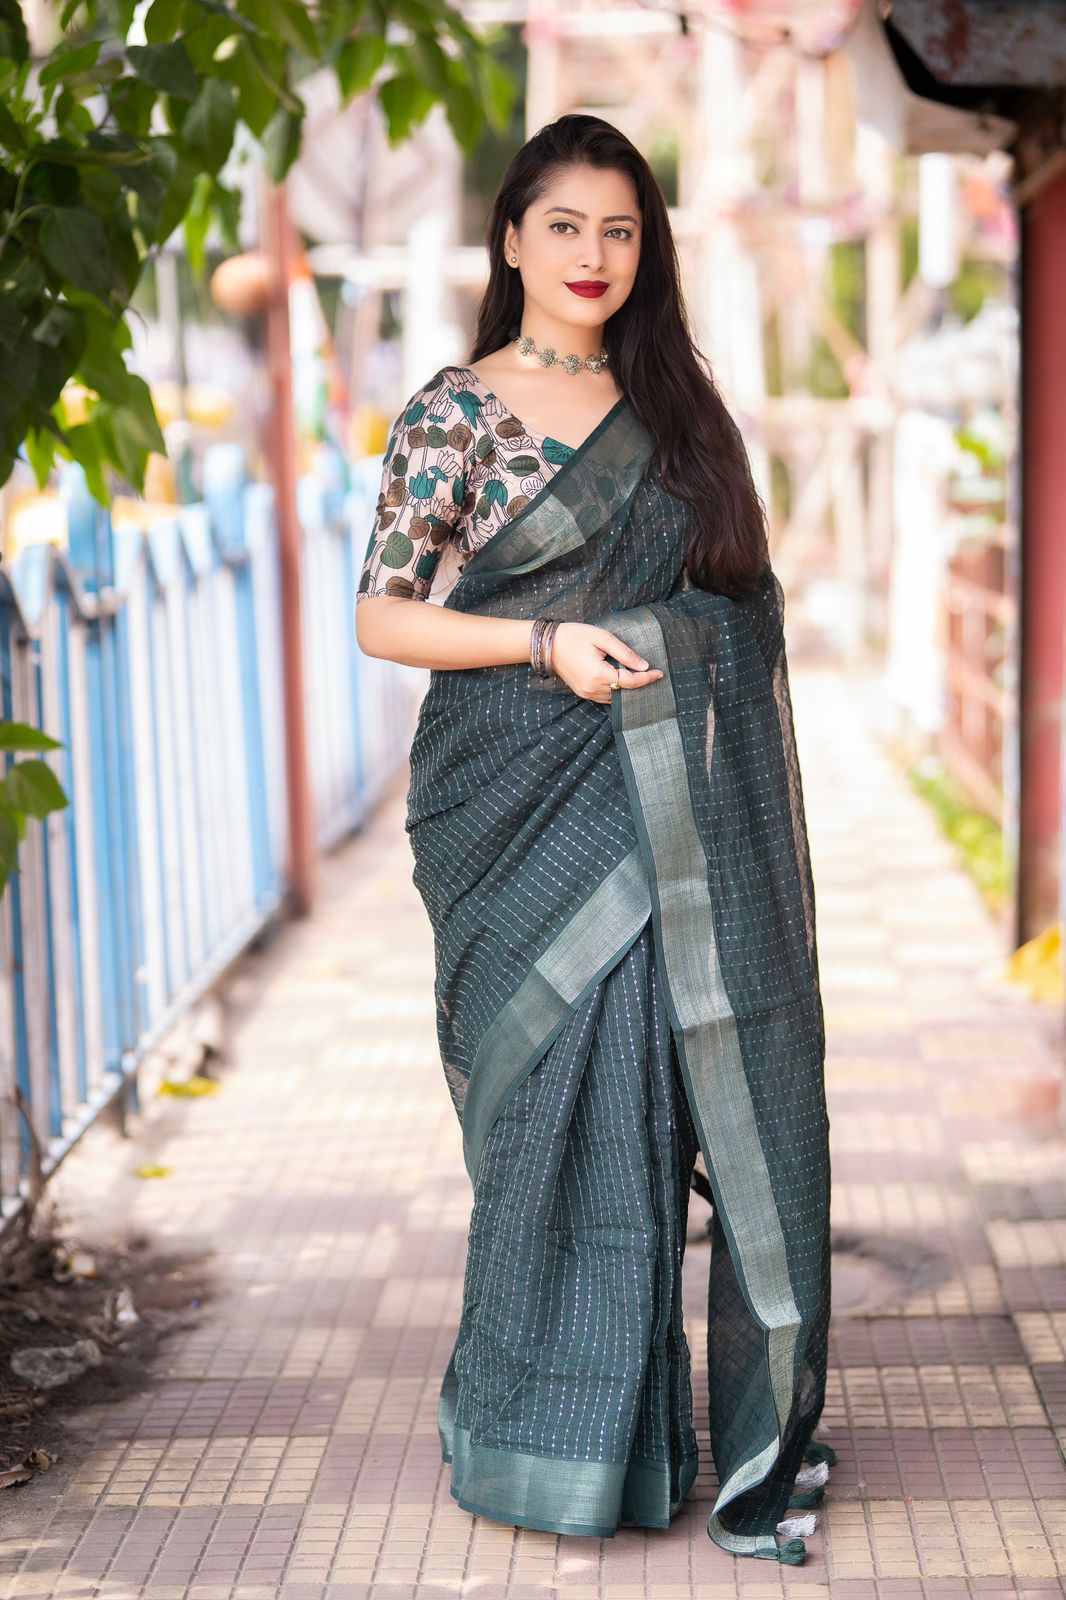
616,684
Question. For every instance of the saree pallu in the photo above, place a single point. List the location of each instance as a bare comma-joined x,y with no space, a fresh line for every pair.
626,973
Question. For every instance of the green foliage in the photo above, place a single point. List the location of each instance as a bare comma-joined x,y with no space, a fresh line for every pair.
109,142
908,249
846,268
492,154
28,789
977,836
977,281
845,289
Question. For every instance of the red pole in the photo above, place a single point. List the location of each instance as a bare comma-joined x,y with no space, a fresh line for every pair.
278,245
1043,568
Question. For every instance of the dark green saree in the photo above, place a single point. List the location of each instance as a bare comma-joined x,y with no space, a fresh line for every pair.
626,974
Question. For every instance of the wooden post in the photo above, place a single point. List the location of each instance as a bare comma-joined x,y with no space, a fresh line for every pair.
1043,568
277,244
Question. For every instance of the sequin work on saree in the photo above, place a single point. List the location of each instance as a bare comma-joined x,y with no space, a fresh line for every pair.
626,973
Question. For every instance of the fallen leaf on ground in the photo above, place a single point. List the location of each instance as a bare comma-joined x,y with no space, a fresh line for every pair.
37,1461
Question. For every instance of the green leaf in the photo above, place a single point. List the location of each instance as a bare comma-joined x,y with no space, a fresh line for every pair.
498,91
40,447
74,244
210,37
55,182
84,441
293,22
24,281
23,736
129,448
9,843
429,62
140,414
226,204
12,134
197,223
161,20
62,324
71,62
217,8
132,396
10,321
103,369
106,334
72,118
13,41
142,203
53,368
281,142
166,67
133,105
357,62
32,787
185,171
17,391
414,13
405,102
209,126
285,21
255,93
464,113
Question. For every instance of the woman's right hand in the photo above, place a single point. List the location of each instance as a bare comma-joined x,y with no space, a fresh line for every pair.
578,656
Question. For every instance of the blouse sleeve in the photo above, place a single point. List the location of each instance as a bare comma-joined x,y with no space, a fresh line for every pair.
424,492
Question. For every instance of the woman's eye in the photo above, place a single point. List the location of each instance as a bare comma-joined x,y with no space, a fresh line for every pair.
625,232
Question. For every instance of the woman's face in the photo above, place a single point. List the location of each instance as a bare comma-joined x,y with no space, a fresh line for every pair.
585,228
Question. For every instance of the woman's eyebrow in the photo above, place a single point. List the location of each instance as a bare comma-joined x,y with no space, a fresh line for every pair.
572,213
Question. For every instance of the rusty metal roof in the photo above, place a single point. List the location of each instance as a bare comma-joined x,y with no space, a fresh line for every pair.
1016,43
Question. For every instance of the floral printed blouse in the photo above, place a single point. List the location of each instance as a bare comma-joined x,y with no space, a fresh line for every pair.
457,466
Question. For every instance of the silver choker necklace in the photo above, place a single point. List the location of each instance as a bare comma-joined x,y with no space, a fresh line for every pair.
551,358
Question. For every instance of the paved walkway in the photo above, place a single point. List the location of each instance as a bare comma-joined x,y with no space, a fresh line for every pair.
288,1446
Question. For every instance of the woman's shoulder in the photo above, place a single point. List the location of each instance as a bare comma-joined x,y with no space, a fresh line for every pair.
448,402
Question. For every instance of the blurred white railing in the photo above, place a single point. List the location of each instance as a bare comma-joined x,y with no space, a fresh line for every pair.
154,656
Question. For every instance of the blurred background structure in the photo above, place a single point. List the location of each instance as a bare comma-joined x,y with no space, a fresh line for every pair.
869,200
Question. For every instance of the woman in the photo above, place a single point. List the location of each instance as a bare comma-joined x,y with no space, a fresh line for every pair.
607,825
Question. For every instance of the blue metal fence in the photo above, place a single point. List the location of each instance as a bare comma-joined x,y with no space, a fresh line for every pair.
154,655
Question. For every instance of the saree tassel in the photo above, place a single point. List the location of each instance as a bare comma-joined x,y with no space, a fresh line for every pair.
799,1527
792,1553
807,1497
818,1451
807,1477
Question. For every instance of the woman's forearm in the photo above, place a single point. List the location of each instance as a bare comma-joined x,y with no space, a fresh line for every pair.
420,633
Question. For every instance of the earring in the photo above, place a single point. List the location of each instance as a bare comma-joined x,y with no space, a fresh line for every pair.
514,261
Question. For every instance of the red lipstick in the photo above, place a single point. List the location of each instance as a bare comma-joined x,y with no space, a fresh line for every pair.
589,287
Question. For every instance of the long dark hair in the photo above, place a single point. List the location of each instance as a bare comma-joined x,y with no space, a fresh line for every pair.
699,453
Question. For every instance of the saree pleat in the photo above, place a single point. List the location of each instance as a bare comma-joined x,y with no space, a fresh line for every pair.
626,970
567,1404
